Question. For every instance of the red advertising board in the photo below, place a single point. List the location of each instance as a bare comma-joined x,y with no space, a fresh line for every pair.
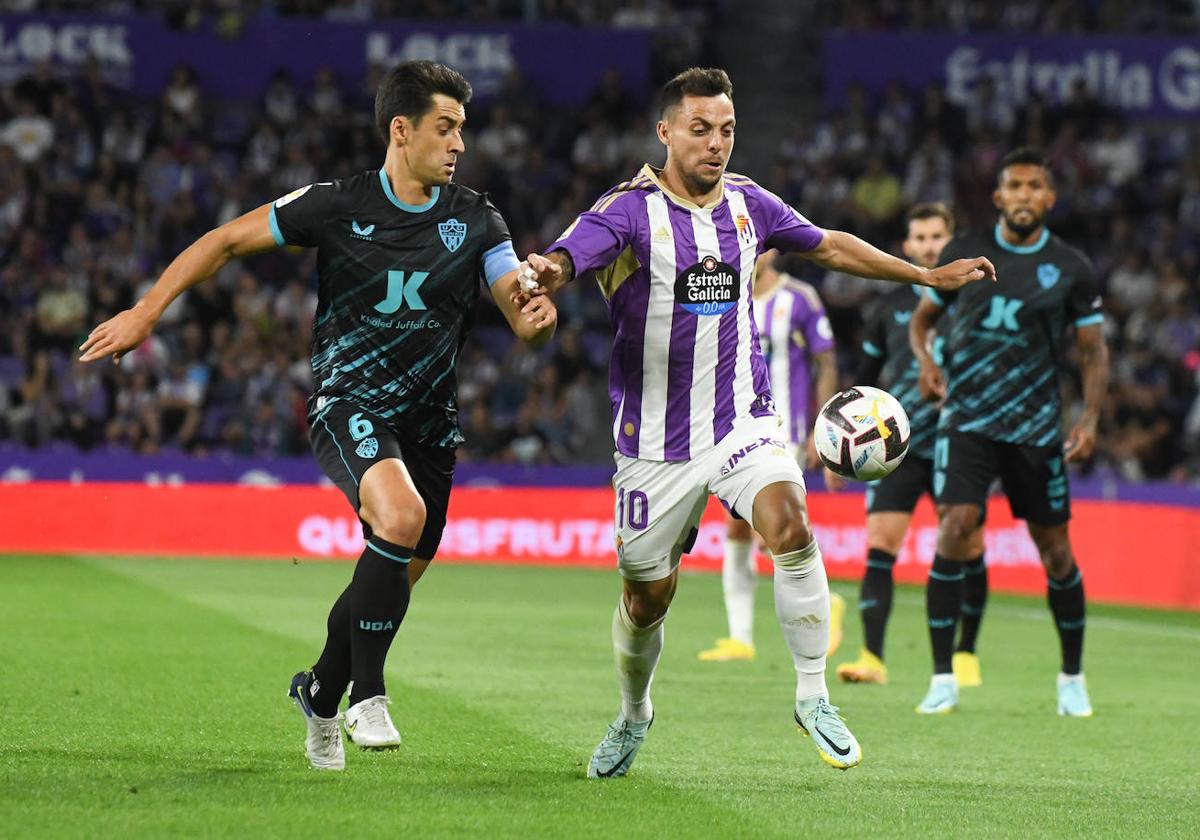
1130,553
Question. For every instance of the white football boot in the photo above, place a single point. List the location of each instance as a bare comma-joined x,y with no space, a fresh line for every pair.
620,746
369,725
323,745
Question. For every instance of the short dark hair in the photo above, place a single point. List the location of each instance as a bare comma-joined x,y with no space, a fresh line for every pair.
695,81
931,210
408,90
1025,155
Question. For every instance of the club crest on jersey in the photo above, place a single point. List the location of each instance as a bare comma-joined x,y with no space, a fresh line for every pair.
745,231
361,232
453,234
1048,274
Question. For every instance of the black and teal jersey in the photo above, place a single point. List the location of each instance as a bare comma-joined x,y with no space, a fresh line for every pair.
397,285
1004,340
886,339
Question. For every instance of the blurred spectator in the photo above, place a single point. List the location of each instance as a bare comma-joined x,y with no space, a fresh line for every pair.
29,133
876,197
1116,155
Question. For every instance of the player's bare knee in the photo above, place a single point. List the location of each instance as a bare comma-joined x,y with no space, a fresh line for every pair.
1058,559
956,529
738,529
400,524
790,536
645,608
881,537
785,526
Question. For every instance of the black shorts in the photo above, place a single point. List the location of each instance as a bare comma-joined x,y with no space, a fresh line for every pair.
1034,478
349,441
900,491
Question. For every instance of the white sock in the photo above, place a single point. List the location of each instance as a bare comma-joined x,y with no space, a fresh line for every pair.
738,579
943,679
636,651
802,607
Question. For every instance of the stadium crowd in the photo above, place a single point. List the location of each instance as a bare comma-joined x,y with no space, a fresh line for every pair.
98,193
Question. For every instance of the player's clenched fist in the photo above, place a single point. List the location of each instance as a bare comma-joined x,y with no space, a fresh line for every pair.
538,275
961,272
116,336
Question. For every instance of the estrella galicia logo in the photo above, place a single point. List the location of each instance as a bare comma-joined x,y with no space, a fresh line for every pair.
708,288
368,448
1048,274
453,234
359,232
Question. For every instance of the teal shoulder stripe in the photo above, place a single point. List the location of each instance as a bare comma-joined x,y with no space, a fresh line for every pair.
1088,320
276,233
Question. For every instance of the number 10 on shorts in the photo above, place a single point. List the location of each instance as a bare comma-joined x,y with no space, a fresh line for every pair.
637,505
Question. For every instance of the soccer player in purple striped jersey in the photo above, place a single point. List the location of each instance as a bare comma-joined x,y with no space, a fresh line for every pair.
797,346
674,252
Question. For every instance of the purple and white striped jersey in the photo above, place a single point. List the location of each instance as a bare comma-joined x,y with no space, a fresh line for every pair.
686,364
792,329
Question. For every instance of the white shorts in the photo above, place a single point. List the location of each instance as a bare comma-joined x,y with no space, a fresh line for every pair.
659,503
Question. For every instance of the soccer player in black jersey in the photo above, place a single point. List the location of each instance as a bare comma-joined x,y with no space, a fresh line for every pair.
1002,413
887,360
400,254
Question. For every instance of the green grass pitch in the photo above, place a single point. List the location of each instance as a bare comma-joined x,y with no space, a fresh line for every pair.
146,698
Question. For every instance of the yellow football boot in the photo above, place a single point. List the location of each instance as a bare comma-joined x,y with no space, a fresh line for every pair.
966,669
837,611
728,650
868,668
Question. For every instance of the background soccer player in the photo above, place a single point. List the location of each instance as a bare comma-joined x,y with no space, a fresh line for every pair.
796,342
400,252
674,250
1002,412
886,357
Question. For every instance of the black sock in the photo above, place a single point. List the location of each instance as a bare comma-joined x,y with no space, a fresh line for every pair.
943,600
331,674
378,600
1068,608
875,598
354,648
975,592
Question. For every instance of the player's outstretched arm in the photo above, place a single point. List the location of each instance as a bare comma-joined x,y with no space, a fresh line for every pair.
247,234
845,252
532,317
932,382
1093,367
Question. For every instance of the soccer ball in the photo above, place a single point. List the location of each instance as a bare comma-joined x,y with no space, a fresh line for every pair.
862,433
